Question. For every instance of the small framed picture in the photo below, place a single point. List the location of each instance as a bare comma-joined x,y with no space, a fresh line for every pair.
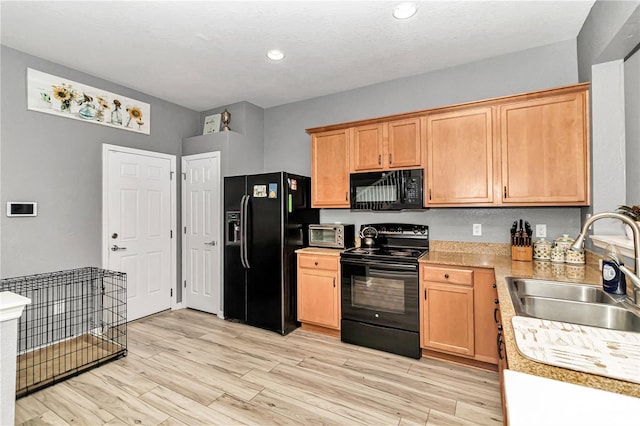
211,124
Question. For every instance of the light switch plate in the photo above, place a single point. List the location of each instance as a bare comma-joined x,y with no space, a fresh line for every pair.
541,230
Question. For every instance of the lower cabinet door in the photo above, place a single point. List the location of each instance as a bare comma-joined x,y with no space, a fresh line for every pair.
448,323
318,301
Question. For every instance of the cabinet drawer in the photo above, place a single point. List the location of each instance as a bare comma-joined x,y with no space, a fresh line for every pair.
318,262
447,275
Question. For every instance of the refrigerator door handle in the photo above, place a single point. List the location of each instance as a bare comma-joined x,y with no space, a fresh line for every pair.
242,232
245,245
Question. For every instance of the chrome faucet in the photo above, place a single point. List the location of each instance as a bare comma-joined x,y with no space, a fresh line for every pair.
577,245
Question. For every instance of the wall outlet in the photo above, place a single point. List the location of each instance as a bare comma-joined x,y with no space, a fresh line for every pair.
477,229
541,230
58,307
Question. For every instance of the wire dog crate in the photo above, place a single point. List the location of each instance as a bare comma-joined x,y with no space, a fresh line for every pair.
77,320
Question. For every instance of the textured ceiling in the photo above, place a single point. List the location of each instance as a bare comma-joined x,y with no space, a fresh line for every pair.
203,55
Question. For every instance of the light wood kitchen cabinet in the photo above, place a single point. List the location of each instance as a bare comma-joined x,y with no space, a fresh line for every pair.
545,150
530,149
330,169
366,146
447,310
457,311
459,167
405,144
386,146
319,291
485,303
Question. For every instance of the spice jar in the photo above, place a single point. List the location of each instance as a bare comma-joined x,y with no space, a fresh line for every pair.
572,256
542,249
565,242
557,255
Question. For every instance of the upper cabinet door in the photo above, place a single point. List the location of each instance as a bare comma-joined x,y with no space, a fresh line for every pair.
404,144
330,169
460,157
545,151
367,148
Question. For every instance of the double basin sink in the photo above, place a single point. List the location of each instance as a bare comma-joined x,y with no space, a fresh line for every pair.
582,304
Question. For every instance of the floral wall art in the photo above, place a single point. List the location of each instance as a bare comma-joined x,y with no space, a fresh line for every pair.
65,98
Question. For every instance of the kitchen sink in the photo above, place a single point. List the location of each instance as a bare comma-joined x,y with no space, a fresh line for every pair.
572,303
560,290
592,314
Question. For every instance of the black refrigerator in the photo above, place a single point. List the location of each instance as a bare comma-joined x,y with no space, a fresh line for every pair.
267,218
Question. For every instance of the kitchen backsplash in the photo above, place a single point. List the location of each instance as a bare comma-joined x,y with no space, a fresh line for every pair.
455,224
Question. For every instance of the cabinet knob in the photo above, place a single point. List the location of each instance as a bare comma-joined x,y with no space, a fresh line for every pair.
500,327
494,286
496,301
446,275
315,263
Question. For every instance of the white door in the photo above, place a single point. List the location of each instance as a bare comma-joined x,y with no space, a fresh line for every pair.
201,231
138,226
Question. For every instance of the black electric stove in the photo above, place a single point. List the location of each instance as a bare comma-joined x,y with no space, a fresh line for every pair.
380,289
394,242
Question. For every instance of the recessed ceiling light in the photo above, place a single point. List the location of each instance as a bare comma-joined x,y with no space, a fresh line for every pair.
404,10
275,55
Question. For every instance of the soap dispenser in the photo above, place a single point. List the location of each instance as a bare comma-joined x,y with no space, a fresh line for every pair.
613,280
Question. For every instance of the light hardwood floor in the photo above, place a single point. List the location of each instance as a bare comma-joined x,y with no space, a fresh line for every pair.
188,367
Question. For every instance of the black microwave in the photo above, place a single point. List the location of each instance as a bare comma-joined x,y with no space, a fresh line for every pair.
388,190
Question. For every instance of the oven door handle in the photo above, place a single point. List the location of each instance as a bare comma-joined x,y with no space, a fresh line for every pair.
381,265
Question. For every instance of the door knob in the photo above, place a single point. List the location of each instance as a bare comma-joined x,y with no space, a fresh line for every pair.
210,243
116,248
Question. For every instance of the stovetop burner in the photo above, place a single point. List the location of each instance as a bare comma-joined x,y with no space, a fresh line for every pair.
386,252
397,242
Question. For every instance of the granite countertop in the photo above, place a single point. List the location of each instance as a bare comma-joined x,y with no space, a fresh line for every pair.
496,256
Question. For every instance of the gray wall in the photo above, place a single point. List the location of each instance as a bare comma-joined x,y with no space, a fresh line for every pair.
246,119
239,155
242,148
608,143
287,145
600,39
602,44
58,163
632,130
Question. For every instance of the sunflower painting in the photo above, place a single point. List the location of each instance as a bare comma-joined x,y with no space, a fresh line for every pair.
58,96
135,114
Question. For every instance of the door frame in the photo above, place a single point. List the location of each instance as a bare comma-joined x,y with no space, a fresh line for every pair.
106,148
221,236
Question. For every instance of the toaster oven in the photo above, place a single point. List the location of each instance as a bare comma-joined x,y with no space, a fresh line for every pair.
338,236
